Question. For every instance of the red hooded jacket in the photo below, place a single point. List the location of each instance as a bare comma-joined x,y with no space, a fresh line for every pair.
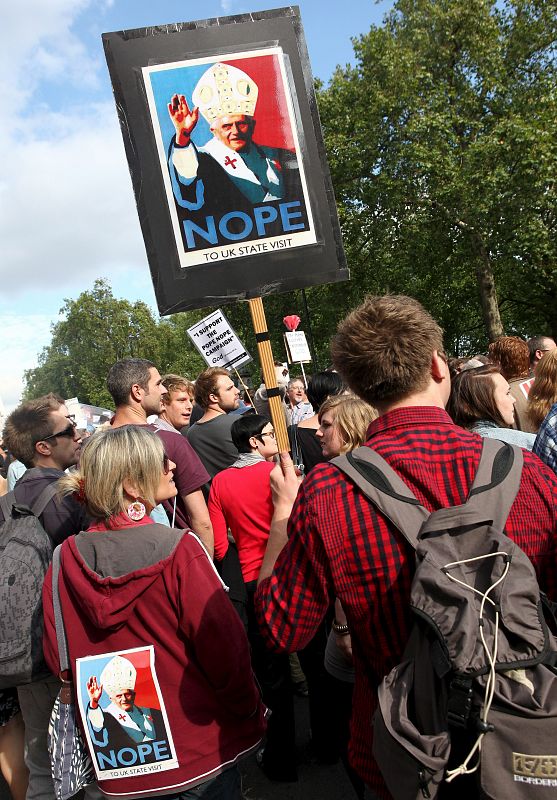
177,604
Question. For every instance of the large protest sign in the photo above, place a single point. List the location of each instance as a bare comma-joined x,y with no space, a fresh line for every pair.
224,145
218,343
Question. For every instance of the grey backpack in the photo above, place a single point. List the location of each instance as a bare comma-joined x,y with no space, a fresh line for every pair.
476,691
25,554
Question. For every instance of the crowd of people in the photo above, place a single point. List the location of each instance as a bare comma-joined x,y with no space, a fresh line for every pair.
205,578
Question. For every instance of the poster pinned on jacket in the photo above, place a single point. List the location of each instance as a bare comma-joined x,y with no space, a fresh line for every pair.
123,714
226,155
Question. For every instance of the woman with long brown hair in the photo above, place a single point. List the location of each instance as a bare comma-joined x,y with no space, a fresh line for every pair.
543,393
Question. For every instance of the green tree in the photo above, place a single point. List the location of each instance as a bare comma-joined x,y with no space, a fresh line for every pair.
442,147
97,330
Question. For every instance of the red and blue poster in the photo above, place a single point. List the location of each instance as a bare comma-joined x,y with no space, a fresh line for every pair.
229,152
123,714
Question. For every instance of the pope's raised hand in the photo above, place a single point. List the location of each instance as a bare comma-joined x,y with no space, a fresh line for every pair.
94,691
183,119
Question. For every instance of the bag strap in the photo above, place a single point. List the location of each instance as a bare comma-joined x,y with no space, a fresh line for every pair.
44,499
7,502
381,484
493,490
58,618
491,495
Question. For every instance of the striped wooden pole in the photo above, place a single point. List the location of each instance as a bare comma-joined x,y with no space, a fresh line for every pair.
269,376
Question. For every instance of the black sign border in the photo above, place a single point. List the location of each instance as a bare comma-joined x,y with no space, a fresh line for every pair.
221,282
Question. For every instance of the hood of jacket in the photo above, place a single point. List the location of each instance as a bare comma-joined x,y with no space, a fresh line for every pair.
93,568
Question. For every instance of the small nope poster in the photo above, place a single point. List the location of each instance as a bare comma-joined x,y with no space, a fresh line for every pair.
224,145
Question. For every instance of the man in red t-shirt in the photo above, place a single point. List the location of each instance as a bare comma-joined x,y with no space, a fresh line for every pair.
335,543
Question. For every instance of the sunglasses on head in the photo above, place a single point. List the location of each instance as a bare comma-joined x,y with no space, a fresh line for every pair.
68,431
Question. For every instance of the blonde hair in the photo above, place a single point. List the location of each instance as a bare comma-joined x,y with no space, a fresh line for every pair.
109,458
352,417
544,389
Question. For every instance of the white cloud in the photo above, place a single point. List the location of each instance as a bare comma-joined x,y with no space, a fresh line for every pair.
22,341
66,203
38,44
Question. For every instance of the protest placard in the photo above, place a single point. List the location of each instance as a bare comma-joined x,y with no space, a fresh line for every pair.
226,155
297,348
217,342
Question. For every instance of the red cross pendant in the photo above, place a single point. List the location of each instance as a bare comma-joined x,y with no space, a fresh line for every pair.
230,162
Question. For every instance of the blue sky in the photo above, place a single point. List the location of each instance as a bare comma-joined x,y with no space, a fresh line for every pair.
67,214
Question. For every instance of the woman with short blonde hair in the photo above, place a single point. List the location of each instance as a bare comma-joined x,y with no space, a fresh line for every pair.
110,460
143,605
349,417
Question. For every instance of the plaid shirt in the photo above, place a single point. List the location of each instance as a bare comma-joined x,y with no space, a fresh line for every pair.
545,445
339,545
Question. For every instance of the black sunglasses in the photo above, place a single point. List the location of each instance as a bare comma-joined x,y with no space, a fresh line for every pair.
165,464
69,431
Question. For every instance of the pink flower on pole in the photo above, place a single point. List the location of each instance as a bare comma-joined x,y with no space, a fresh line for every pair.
292,322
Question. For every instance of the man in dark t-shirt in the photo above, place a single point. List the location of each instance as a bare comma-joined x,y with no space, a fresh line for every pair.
136,387
210,437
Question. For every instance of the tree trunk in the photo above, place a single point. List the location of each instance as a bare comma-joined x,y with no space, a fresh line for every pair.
488,292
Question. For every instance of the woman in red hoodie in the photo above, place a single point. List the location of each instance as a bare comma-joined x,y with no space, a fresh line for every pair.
159,657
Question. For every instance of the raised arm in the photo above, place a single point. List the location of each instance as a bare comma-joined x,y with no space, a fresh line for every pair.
183,119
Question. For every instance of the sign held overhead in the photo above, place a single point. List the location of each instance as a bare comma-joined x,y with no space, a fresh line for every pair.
226,155
218,343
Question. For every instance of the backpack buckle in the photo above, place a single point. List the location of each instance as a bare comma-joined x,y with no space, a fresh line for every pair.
459,703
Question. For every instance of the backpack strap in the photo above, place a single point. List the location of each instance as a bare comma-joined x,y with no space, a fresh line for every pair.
381,484
492,493
7,502
58,619
44,499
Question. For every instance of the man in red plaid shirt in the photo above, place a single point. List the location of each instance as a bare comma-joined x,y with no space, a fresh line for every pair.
334,543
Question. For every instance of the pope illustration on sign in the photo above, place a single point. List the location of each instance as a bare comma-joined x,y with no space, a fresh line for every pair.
231,172
122,723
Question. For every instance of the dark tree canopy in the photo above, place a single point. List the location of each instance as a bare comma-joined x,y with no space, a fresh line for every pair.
442,145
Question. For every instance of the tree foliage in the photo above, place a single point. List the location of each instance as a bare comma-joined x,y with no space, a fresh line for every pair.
442,146
96,331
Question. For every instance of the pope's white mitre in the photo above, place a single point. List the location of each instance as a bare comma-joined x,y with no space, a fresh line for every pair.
118,675
223,90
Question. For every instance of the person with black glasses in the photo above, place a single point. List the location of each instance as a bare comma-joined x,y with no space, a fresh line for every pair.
240,501
42,435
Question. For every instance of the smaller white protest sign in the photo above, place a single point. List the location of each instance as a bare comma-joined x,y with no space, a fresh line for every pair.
297,347
217,342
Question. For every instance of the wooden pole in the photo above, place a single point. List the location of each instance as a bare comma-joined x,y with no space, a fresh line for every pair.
246,390
269,376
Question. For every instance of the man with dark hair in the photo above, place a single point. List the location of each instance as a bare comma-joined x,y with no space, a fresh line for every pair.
537,346
41,434
137,389
210,437
337,544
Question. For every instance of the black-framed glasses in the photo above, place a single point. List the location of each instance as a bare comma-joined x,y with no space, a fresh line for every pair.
69,431
272,434
165,464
